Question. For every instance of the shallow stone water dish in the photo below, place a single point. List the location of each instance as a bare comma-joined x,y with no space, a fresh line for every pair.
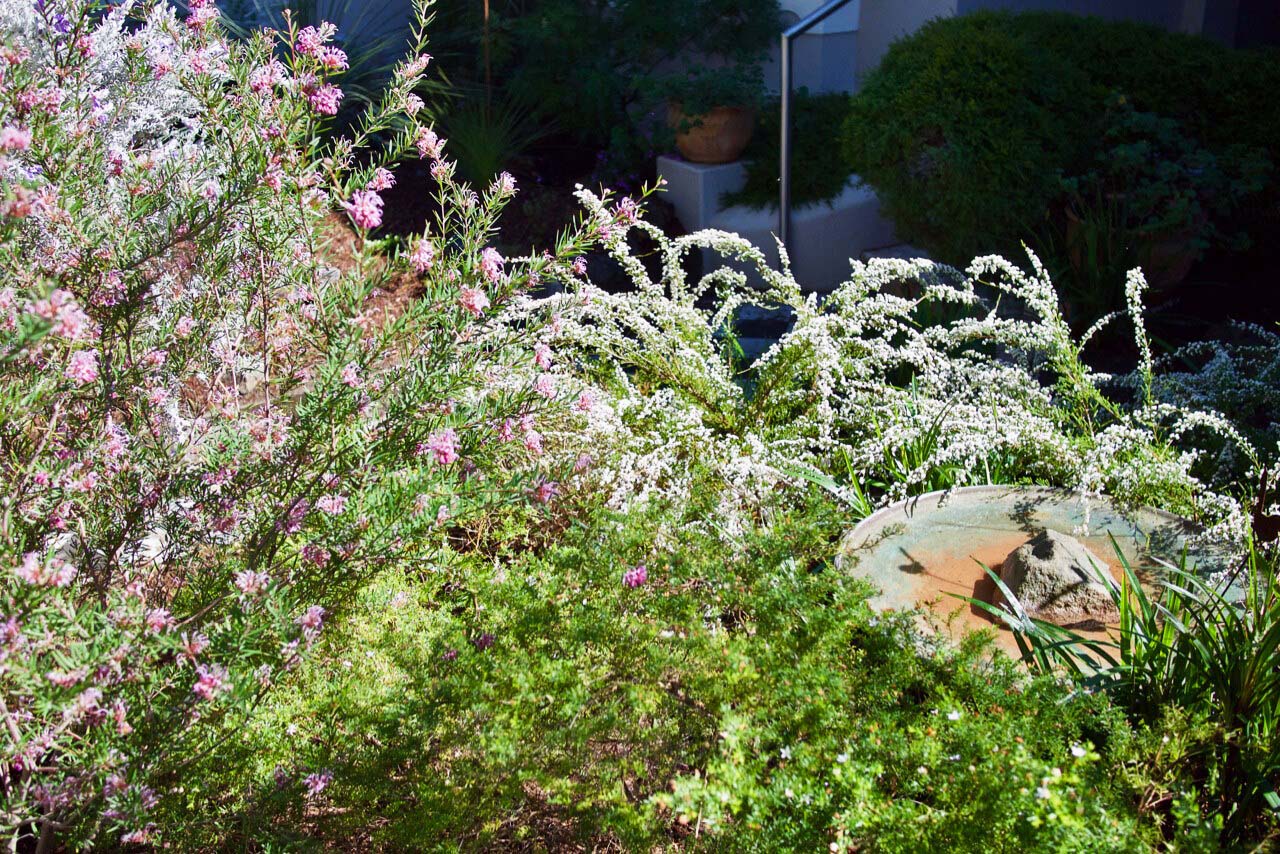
919,550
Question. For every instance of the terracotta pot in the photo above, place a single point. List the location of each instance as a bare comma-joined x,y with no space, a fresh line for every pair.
720,136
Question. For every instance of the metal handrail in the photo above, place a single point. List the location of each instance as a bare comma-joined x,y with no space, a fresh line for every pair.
799,28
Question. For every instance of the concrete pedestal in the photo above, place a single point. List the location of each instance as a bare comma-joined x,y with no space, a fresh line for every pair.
695,189
825,236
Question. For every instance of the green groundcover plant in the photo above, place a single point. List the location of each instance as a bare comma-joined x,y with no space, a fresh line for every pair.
622,689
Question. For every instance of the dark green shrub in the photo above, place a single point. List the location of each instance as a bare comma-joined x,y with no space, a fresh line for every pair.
1153,198
1221,96
485,138
969,126
964,131
819,169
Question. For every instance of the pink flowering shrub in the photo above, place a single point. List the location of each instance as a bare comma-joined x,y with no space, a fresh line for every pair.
210,433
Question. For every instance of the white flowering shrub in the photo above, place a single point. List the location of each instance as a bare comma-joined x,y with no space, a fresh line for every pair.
211,427
1239,377
889,394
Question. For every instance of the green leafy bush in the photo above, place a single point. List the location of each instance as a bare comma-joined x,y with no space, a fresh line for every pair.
733,700
699,90
968,125
1220,95
819,169
964,130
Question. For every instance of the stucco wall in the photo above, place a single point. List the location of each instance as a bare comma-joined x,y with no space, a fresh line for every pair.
843,21
886,21
1164,13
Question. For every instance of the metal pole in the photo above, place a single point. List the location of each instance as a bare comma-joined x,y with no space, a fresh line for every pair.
784,166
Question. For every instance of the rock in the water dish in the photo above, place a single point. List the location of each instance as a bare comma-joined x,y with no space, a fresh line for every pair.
1057,579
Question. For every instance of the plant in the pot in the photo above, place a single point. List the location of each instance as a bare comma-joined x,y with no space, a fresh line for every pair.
1153,198
820,170
596,66
712,111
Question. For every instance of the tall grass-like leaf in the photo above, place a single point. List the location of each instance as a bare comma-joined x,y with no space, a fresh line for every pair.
1187,644
852,493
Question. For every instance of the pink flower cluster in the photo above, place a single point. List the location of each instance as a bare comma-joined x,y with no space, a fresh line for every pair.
311,39
429,144
545,385
442,445
628,211
14,139
504,185
635,577
62,311
311,621
334,505
211,680
473,300
82,367
317,783
365,208
546,491
418,65
193,645
531,438
159,620
54,573
264,79
252,583
315,555
325,99
382,180
491,264
423,256
193,430
202,13
332,58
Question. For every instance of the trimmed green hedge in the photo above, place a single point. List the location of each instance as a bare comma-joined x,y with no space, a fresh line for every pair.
968,125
